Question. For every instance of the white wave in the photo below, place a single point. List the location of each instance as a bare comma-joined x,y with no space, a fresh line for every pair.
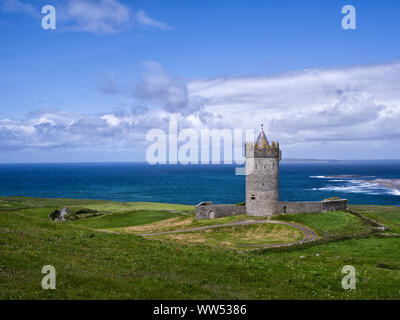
395,192
341,177
359,186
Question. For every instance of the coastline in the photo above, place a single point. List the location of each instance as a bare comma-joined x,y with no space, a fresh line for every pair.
387,183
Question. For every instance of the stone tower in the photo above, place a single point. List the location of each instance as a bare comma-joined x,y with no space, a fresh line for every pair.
262,176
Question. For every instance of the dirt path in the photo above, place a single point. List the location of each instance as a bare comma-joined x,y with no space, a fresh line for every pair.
309,234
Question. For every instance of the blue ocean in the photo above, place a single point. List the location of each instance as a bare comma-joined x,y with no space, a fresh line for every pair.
190,184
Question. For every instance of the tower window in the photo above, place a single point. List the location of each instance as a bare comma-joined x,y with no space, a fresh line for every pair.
253,197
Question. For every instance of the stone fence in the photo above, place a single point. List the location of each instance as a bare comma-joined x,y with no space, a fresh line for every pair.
207,210
289,207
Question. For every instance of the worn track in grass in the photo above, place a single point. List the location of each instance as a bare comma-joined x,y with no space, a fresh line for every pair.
309,234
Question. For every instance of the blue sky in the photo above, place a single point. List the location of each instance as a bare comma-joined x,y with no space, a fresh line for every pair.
149,61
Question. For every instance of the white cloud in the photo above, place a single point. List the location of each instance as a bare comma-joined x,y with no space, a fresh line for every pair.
94,16
18,6
169,93
50,129
112,120
143,19
319,113
336,104
104,16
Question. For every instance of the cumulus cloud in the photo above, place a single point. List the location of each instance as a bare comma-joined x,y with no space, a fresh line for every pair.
336,112
169,93
336,104
94,16
56,129
104,16
143,19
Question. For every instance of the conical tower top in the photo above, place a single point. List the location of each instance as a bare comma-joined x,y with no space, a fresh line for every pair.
262,142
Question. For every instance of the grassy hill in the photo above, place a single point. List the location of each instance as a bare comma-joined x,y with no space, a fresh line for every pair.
387,215
93,264
332,225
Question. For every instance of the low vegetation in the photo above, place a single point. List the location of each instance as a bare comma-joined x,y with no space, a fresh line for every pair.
386,215
238,236
330,225
92,264
183,222
126,219
333,198
55,214
81,213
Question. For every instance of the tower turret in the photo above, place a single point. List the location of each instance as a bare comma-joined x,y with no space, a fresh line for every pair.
262,176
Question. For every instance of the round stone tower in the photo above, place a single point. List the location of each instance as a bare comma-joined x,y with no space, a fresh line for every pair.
262,176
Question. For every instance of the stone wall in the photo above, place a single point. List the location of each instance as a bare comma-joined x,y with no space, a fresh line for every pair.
293,207
207,210
334,205
289,207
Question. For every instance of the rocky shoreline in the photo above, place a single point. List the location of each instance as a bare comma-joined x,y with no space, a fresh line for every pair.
387,183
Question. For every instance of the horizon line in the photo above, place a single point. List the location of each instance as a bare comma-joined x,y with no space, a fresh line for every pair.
221,163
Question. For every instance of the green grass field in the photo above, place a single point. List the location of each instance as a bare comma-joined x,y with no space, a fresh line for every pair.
387,215
183,222
92,264
330,226
236,236
126,219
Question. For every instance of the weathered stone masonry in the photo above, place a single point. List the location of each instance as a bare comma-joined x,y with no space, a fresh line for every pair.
262,188
206,210
290,207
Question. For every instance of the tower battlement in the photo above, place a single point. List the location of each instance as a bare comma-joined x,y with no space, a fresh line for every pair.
272,151
262,187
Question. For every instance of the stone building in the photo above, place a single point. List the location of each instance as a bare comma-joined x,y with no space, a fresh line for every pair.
262,176
262,188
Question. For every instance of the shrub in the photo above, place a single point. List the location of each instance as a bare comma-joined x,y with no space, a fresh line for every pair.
55,214
83,211
333,198
80,213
